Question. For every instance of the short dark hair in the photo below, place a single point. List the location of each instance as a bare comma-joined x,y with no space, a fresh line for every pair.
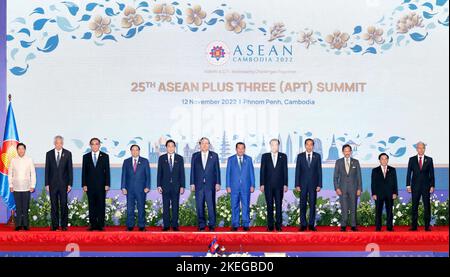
383,154
21,144
94,139
309,139
240,143
347,146
135,145
171,141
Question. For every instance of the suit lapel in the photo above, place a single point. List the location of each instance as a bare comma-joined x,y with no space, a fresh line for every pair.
242,165
54,157
425,162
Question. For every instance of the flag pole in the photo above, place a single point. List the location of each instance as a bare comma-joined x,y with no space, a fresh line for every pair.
12,218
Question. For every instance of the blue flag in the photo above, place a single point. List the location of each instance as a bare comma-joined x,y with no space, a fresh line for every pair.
7,153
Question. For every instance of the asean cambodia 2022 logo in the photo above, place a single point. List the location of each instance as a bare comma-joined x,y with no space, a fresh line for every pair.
217,53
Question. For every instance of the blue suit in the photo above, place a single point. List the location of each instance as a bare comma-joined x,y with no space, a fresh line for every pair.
205,180
308,176
135,183
240,179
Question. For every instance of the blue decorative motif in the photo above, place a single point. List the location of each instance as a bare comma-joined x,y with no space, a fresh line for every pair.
411,21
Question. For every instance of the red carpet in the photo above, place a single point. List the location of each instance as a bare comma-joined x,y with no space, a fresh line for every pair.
188,240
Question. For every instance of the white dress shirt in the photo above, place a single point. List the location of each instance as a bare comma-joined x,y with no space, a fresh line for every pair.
96,155
418,159
56,154
309,155
22,174
204,158
274,159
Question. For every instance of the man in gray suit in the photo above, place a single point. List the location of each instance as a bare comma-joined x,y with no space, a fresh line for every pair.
348,186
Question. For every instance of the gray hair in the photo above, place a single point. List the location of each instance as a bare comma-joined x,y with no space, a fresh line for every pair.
58,137
421,143
277,140
202,139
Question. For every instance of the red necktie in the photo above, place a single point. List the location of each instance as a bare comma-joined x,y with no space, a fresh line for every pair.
420,163
134,166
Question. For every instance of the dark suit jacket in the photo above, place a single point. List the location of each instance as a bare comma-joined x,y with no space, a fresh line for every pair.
308,176
420,179
271,176
95,177
136,181
171,179
58,176
210,176
384,187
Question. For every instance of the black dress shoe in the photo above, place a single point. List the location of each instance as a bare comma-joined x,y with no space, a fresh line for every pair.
269,229
427,229
312,228
343,229
390,229
101,228
64,229
26,228
91,229
17,228
413,229
234,229
302,228
354,229
279,229
129,229
201,229
142,229
212,229
377,229
165,229
175,229
53,229
246,229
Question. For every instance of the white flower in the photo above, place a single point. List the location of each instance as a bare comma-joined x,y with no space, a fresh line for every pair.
35,217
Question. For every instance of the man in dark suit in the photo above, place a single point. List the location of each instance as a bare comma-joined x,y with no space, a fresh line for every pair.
384,191
274,182
171,183
58,182
205,182
420,183
135,185
308,181
95,180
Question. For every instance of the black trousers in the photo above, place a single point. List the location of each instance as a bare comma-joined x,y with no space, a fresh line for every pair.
388,202
171,203
415,199
274,195
59,209
96,201
22,199
308,195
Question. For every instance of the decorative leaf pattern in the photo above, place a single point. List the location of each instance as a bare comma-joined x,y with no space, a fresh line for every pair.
73,18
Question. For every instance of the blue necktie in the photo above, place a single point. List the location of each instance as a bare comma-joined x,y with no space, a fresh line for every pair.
170,163
309,160
95,159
